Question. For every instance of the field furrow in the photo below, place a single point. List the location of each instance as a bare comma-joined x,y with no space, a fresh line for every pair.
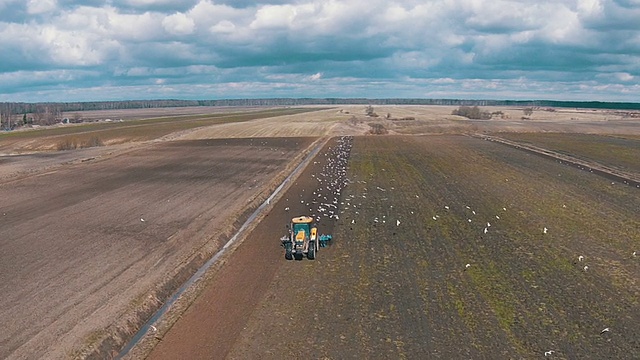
454,247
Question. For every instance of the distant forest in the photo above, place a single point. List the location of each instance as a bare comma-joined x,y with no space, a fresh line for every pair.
31,108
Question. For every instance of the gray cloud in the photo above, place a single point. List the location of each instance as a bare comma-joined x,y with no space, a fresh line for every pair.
64,50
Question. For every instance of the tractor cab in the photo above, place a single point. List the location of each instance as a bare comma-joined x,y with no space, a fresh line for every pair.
301,228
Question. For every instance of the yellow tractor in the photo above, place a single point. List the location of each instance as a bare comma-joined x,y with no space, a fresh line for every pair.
303,239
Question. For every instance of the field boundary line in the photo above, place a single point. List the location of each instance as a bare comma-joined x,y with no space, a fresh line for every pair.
608,172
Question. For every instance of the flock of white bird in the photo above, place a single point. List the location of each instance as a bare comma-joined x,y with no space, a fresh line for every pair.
332,179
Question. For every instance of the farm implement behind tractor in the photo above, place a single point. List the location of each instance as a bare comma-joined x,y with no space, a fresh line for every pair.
303,239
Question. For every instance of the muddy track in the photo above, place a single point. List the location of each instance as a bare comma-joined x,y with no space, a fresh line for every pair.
209,328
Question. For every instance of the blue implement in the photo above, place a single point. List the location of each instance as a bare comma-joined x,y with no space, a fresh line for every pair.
324,239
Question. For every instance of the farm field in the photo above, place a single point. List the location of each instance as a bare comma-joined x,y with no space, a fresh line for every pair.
395,282
92,245
619,151
61,137
95,239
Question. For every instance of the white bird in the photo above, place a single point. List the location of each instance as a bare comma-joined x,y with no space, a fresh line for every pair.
580,258
585,268
605,330
469,220
485,230
353,221
141,219
497,217
153,328
467,266
548,353
446,207
544,231
488,224
286,209
397,222
635,253
434,218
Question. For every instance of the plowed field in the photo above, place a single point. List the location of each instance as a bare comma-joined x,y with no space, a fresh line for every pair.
81,244
447,247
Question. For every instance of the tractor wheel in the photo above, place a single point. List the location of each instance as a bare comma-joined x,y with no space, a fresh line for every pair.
311,254
298,256
287,252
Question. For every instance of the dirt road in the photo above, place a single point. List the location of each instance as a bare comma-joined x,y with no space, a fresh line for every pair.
82,242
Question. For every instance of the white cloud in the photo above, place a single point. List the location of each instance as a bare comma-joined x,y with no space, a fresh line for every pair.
41,6
623,76
147,3
274,16
278,41
316,76
207,13
589,7
178,24
223,27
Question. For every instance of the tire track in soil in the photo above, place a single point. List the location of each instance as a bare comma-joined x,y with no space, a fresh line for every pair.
211,325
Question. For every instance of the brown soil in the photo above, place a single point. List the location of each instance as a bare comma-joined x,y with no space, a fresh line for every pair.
84,242
211,325
402,290
77,261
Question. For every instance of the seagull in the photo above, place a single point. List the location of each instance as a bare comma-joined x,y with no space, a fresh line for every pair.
544,231
446,207
635,253
580,258
154,328
286,209
141,219
548,353
434,218
485,230
353,221
585,268
397,222
605,330
467,266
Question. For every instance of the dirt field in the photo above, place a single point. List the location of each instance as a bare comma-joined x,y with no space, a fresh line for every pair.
82,242
80,261
403,290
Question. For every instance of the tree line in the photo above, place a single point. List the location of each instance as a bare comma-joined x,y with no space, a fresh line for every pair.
12,113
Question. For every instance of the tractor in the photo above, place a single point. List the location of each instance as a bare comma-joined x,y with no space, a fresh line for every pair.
303,239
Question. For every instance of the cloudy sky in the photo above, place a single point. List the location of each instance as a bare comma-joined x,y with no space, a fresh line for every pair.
87,50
